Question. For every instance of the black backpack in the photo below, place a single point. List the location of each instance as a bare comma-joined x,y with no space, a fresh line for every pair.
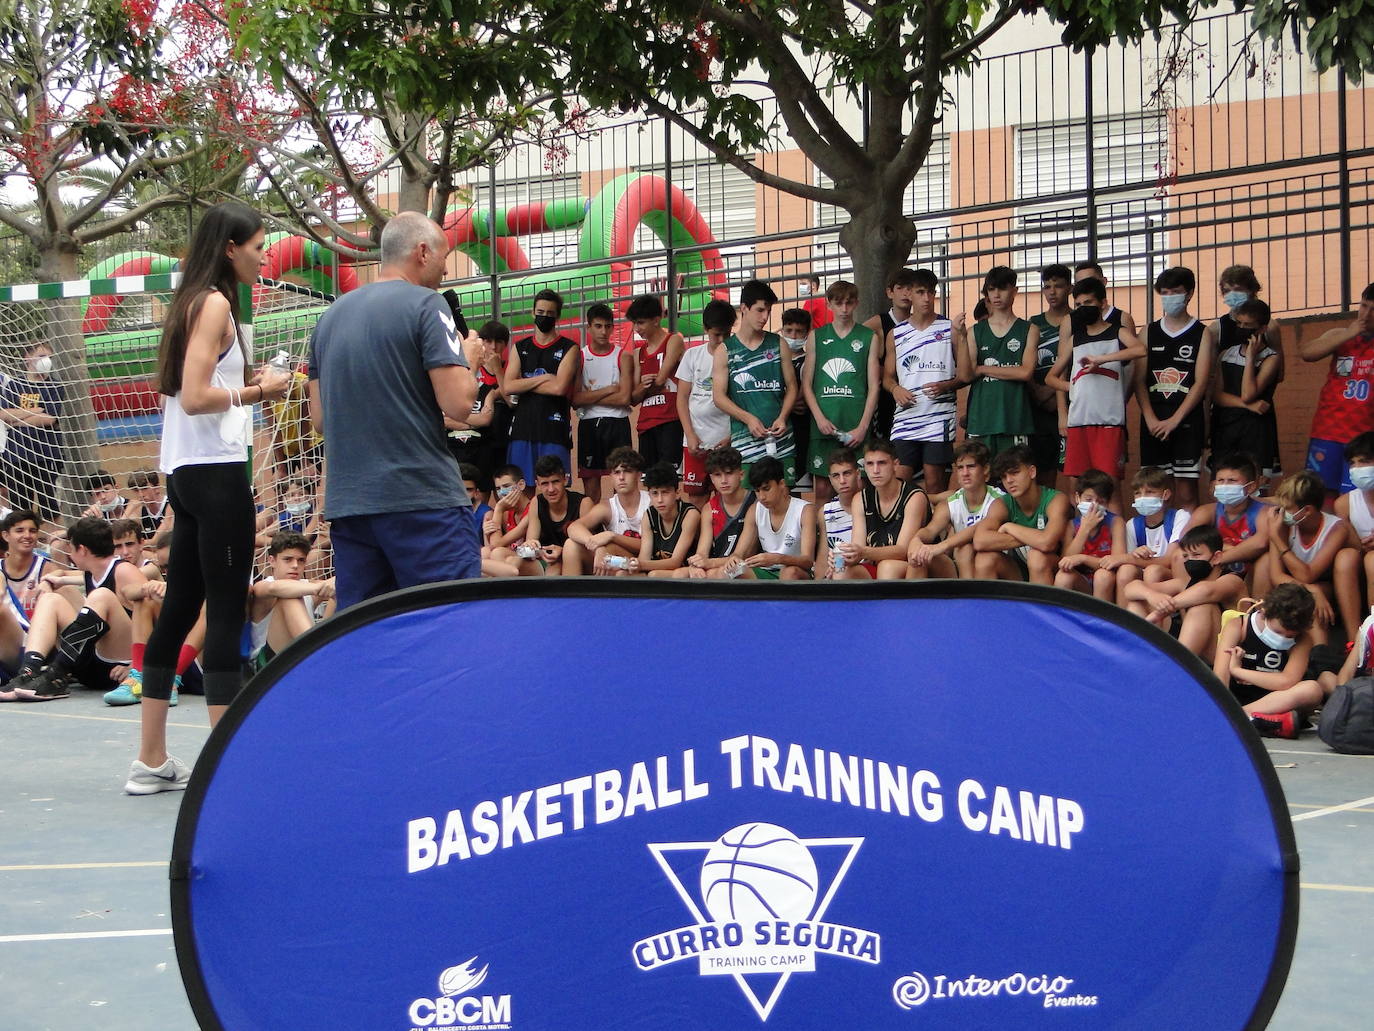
1347,720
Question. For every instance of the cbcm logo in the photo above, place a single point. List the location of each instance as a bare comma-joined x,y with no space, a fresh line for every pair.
759,895
1050,991
456,1009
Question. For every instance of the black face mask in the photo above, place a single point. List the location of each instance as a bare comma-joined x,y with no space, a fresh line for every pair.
1197,569
545,323
1086,315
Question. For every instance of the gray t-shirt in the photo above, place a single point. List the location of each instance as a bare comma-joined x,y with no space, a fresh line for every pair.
384,436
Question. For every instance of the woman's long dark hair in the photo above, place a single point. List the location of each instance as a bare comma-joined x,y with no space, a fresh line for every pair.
206,268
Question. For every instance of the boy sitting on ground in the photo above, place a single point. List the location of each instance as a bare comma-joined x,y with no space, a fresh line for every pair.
1236,513
606,539
143,601
555,508
785,529
1263,658
1151,535
725,524
87,646
1094,535
282,604
1189,603
509,518
1354,567
1020,537
945,545
669,529
837,515
1303,544
887,513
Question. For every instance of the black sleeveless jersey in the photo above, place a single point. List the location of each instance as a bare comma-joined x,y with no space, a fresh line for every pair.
727,528
555,531
542,418
666,540
881,529
1171,365
1256,655
149,522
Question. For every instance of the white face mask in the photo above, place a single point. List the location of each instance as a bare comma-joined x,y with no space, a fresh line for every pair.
1174,304
1086,507
1362,476
298,507
43,365
1272,638
804,289
1148,506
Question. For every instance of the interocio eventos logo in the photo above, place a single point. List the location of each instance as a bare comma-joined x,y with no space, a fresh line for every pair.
759,895
1052,990
457,1008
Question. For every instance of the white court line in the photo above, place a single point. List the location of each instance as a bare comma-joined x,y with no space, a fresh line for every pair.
82,866
81,936
103,719
1333,809
1361,888
1317,755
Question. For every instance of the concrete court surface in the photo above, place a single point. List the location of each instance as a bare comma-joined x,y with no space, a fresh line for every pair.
85,940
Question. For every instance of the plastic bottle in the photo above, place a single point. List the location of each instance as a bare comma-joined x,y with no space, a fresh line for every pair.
281,361
617,562
771,446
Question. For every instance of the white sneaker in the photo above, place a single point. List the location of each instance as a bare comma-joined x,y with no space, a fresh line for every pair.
172,775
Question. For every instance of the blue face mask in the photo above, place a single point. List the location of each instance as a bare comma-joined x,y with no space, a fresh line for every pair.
1362,477
1272,638
1174,304
1233,299
1229,493
1148,506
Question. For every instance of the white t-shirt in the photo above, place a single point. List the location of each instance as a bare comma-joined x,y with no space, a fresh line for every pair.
710,423
1158,538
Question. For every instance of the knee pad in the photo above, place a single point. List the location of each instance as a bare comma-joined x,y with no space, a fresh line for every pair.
78,637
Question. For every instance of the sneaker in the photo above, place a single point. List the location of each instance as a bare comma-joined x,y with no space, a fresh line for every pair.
22,685
176,686
1276,724
129,692
8,695
172,775
48,688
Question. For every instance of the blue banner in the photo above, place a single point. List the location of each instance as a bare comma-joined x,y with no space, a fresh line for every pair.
583,805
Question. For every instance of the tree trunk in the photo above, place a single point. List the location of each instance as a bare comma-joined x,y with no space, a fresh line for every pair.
80,442
878,239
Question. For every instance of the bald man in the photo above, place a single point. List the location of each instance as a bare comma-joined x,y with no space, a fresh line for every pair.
386,366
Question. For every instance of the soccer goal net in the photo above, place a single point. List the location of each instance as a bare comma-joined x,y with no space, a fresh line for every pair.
80,418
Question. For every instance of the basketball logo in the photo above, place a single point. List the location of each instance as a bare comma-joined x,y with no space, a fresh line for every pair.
758,871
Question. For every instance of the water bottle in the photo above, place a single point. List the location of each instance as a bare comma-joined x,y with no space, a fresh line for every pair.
617,562
526,552
281,362
837,560
771,446
736,572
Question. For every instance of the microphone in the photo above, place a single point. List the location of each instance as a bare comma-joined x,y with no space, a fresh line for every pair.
460,323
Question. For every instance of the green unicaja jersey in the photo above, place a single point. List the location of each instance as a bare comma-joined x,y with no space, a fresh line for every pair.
757,386
1039,518
840,375
1000,406
1049,346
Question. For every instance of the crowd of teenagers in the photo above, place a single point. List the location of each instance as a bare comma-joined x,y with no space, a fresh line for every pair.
839,450
830,450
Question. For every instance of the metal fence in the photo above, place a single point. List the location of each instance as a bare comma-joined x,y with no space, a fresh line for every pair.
1188,150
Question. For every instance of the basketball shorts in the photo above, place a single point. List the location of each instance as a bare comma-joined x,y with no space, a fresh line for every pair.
596,439
915,454
661,443
1096,447
1180,454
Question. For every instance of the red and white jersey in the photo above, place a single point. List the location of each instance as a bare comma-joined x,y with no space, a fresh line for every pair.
1344,410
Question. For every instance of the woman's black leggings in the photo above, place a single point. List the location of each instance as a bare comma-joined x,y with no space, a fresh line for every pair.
211,561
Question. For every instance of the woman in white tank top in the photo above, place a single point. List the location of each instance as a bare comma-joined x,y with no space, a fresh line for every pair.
207,419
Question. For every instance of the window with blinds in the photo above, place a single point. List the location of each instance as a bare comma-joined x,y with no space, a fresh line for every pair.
1053,159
